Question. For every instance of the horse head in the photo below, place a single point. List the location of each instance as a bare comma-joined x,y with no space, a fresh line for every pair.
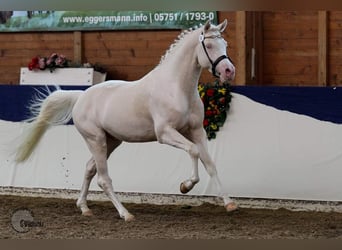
212,52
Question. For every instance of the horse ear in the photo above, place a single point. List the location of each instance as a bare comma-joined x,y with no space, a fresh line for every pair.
222,26
207,26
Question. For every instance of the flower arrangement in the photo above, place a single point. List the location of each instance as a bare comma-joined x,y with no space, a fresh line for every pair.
59,61
216,100
52,62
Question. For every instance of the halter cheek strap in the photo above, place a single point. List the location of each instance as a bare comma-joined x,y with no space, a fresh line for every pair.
217,61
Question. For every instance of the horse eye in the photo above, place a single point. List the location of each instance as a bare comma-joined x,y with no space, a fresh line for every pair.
208,45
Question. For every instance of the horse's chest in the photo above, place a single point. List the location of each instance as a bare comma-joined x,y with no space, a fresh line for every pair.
177,111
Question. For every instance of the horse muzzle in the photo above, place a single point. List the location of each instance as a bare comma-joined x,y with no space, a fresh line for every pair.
225,71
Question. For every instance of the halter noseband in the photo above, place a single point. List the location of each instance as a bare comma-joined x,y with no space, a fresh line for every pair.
218,60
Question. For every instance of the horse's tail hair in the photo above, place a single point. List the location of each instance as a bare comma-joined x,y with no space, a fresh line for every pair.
51,109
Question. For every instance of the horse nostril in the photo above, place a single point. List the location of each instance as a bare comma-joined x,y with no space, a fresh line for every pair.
228,70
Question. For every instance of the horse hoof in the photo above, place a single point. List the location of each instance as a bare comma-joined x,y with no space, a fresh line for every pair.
183,188
230,207
129,217
87,213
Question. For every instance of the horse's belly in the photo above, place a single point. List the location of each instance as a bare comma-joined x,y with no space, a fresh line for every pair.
131,129
131,134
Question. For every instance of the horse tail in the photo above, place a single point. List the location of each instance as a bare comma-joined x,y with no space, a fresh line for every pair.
51,109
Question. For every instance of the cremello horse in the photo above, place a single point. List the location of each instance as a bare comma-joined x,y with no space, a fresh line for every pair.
164,105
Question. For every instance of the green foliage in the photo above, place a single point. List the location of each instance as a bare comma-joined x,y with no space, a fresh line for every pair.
216,99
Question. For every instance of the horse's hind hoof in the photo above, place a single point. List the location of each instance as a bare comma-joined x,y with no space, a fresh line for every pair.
88,213
183,188
129,217
231,206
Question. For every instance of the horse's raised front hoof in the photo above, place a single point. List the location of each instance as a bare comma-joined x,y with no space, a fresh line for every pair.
231,206
129,217
183,188
87,213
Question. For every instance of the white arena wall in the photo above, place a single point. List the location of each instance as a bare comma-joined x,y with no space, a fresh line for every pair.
261,153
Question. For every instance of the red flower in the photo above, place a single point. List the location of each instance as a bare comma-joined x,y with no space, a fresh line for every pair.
35,60
210,92
216,101
52,62
209,113
34,64
30,66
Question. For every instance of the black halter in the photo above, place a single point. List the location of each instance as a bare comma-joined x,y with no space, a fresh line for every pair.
218,60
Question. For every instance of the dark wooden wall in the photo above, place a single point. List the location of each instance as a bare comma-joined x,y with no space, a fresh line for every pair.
335,48
302,48
17,49
125,55
290,49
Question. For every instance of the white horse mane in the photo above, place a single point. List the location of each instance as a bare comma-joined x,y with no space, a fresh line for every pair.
177,40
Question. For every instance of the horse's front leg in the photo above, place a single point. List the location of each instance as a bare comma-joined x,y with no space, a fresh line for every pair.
170,136
188,184
199,137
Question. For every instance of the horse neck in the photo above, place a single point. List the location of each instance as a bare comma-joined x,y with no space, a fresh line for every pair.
180,67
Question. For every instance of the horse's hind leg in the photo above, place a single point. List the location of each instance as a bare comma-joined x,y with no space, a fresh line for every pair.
88,176
101,146
82,200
